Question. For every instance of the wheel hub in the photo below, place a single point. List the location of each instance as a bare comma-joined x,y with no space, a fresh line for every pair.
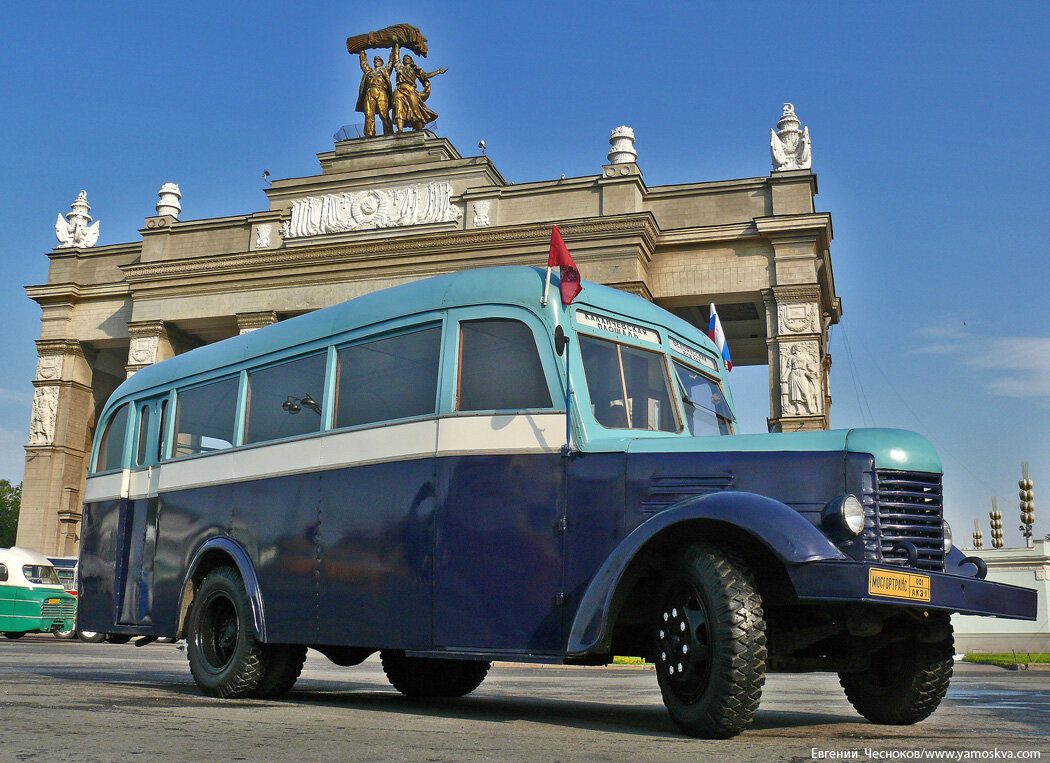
684,643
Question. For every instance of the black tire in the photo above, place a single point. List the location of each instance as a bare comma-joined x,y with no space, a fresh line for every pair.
710,643
64,635
904,684
117,638
13,635
226,659
433,677
282,665
91,637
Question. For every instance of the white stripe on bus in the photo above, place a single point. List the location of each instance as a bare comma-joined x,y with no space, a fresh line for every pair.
455,435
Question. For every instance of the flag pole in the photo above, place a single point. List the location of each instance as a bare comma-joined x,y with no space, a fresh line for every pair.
546,287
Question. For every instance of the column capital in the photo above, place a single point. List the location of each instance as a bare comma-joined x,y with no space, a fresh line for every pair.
251,321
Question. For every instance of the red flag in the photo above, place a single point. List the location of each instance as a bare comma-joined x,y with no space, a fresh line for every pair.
570,275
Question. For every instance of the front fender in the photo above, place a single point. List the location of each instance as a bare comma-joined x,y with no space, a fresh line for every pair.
781,529
243,562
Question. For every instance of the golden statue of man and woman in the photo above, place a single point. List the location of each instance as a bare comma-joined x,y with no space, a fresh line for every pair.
402,106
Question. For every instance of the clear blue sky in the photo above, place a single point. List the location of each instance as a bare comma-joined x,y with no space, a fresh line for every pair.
929,124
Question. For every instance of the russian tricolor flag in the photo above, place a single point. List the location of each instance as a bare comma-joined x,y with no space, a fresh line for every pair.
718,336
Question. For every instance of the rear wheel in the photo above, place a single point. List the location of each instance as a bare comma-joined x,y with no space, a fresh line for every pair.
710,643
433,677
61,634
904,684
91,637
282,665
226,659
14,634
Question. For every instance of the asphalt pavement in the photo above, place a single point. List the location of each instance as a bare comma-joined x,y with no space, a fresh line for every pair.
69,701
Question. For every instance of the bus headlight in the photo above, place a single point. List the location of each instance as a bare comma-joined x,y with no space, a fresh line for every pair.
947,536
845,514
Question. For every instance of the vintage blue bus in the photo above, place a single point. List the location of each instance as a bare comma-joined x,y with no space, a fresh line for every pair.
450,472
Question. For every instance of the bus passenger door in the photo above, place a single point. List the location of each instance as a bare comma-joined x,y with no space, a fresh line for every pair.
140,506
499,546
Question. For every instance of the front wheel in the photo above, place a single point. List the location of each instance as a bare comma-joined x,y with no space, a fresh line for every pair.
64,635
710,643
433,677
904,684
91,637
225,658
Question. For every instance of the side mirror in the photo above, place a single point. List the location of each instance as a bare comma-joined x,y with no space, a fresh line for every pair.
560,340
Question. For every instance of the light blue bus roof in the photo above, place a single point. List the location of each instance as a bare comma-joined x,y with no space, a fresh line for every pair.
520,286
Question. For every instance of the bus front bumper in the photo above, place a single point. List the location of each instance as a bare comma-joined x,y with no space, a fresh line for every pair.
848,581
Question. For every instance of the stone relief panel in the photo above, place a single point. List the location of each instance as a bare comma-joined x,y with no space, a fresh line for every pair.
797,318
143,350
45,413
377,208
481,213
801,382
262,237
49,367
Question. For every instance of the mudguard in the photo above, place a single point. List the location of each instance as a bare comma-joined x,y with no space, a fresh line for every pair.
244,566
781,529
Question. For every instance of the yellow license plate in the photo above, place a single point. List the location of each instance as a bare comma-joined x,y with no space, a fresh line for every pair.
54,601
899,585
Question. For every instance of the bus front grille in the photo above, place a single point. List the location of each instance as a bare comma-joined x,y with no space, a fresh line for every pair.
909,512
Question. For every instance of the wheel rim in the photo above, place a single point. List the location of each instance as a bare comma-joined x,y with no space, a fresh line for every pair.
683,641
218,633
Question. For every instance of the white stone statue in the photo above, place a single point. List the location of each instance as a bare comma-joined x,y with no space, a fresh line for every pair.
790,148
45,412
168,203
622,142
377,208
76,230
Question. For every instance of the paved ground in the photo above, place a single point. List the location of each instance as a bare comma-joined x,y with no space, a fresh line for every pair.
84,702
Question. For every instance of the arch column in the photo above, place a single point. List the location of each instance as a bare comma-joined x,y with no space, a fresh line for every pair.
58,449
799,362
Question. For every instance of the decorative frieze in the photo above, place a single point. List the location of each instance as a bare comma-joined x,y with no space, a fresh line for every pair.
45,414
143,350
376,208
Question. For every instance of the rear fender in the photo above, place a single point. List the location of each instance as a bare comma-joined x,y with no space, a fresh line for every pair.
783,531
235,552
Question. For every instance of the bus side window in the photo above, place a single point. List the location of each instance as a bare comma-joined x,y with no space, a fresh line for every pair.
143,438
499,367
111,448
204,417
392,378
162,440
3,573
286,400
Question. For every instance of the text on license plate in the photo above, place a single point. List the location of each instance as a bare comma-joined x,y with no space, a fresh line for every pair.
899,585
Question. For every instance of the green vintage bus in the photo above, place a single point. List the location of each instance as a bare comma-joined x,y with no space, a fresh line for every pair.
32,598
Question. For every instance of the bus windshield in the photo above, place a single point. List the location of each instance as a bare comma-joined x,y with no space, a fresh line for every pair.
628,386
40,574
706,409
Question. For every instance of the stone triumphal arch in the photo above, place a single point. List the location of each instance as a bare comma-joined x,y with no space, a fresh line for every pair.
390,208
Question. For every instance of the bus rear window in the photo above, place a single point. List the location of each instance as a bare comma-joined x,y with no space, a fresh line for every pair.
111,449
204,418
